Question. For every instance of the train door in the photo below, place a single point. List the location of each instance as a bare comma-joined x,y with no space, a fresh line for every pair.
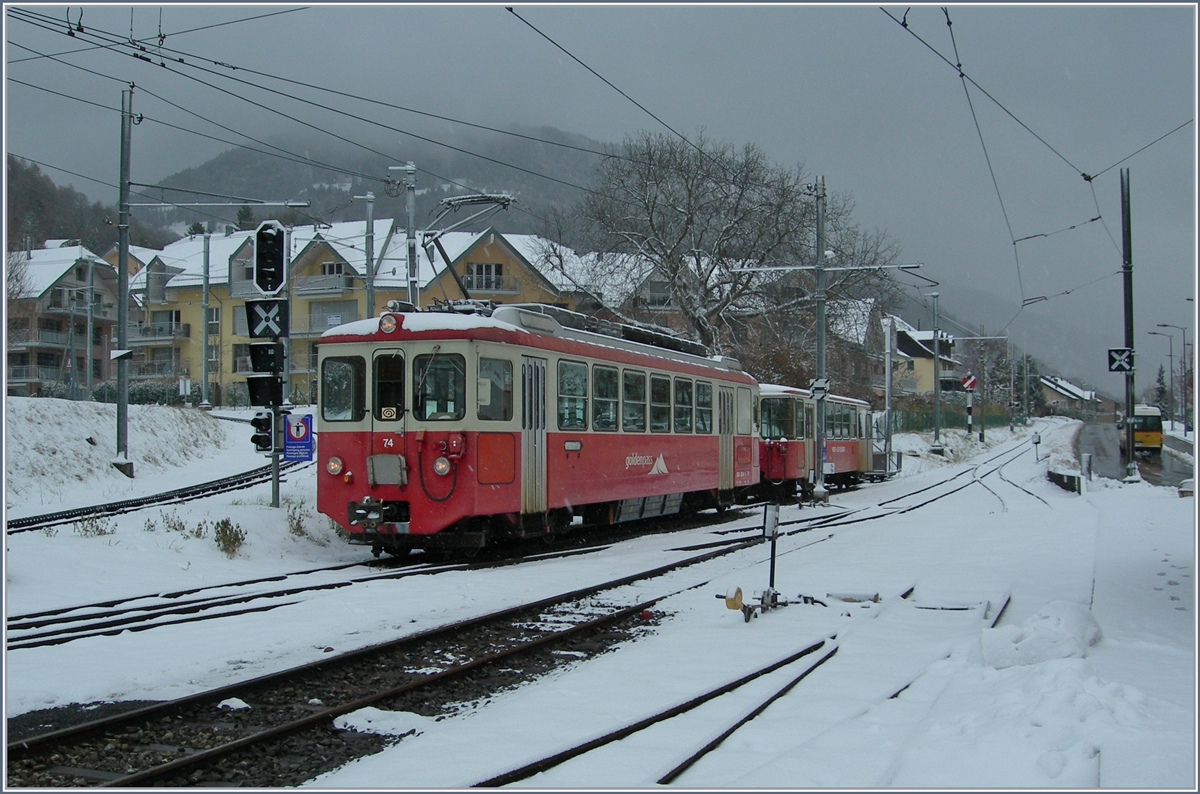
725,438
385,461
533,435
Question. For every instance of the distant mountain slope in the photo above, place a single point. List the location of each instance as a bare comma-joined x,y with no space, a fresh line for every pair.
466,162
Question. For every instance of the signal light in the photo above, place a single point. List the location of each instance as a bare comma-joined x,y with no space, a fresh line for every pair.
264,431
269,257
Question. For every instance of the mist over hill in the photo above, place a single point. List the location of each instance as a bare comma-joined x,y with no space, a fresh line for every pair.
538,175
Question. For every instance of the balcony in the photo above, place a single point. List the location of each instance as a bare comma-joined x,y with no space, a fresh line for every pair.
151,333
315,324
157,369
492,284
40,337
334,284
34,372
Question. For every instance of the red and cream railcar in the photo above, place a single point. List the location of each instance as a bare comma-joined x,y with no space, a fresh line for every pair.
788,450
438,429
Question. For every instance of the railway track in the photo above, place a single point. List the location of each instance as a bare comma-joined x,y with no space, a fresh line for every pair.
197,741
224,485
684,719
210,745
142,613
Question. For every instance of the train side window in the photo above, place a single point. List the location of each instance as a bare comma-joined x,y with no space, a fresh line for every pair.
633,401
660,404
440,393
703,407
745,411
343,389
777,417
495,385
389,387
800,427
572,395
605,393
683,405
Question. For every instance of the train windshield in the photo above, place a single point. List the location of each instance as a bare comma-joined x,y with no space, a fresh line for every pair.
778,418
440,392
343,389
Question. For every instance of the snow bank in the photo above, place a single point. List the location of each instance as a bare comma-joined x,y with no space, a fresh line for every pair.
1061,630
54,446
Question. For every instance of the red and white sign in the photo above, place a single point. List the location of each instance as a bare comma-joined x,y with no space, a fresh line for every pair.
968,383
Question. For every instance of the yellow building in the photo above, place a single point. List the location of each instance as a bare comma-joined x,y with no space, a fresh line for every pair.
327,286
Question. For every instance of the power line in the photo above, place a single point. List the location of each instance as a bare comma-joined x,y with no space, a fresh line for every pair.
163,36
102,182
963,78
318,105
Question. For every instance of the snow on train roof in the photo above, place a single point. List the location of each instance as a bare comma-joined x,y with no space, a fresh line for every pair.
423,321
776,389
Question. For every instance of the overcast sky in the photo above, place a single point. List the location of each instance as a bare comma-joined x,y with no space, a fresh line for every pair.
845,90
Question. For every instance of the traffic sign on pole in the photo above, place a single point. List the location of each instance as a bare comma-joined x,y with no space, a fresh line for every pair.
1120,359
968,383
267,319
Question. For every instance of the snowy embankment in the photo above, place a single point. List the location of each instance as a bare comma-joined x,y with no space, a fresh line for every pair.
60,453
1087,680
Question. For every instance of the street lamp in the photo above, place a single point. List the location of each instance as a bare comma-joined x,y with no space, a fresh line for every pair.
1187,415
1171,363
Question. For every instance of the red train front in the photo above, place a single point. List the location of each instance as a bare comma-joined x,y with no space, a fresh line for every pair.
438,429
788,447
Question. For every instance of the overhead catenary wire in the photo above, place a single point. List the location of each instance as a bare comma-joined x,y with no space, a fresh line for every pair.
280,153
992,171
172,68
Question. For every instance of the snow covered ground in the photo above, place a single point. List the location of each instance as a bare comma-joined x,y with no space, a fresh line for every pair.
1088,680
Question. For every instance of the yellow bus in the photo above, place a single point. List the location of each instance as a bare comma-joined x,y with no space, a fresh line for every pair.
1147,430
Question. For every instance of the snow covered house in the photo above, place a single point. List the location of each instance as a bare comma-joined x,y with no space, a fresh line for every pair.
61,317
912,365
327,283
1064,397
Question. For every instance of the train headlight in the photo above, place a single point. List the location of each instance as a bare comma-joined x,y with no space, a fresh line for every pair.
387,323
334,466
441,467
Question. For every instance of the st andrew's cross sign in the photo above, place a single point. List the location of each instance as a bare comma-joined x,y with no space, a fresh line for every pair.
267,319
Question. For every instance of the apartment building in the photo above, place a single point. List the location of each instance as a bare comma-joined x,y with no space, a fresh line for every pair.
61,321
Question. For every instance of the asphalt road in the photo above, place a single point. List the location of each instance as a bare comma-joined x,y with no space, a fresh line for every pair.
1101,441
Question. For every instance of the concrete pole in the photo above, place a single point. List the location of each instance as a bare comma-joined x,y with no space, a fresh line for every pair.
410,185
205,405
937,378
1131,470
887,395
91,299
370,252
819,492
122,461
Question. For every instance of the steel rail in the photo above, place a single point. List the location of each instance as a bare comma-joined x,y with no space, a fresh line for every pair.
235,482
22,747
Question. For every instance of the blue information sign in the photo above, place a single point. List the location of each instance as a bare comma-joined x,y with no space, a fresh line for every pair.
298,437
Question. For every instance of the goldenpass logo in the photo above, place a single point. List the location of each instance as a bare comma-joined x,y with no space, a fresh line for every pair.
638,460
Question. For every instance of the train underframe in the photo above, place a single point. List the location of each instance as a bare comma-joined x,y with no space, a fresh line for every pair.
383,525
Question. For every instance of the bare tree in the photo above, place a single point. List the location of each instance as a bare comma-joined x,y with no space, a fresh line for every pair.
18,291
701,219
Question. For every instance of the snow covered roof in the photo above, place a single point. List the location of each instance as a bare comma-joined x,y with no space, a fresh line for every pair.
45,266
347,240
1068,389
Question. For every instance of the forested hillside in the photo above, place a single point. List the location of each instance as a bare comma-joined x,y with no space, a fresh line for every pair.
39,210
